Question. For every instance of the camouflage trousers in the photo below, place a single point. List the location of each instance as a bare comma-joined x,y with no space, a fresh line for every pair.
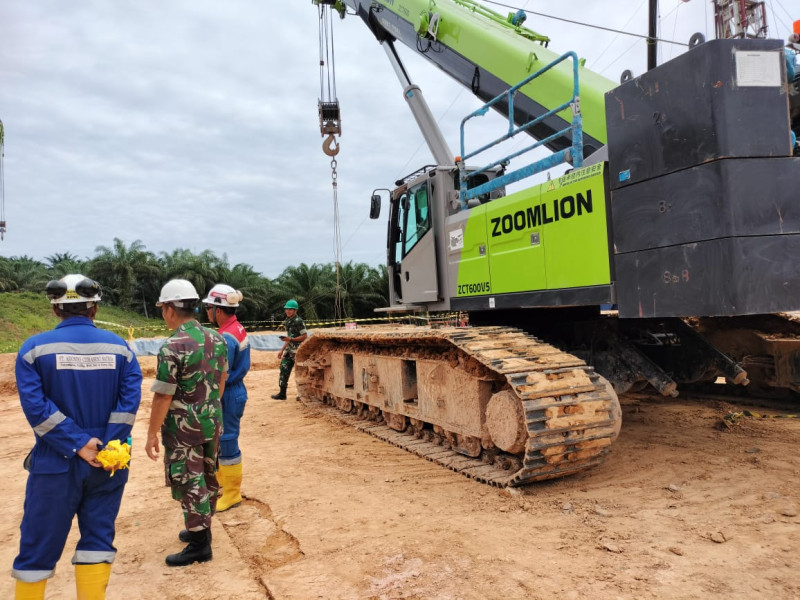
287,364
191,473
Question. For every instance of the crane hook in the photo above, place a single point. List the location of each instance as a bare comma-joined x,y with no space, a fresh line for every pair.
330,146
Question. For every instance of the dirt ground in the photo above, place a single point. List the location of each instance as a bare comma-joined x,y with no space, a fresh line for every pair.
680,509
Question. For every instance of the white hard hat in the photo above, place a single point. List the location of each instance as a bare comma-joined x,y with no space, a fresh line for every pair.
177,290
223,295
73,288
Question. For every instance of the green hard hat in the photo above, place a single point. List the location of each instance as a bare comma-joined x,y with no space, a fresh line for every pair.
292,304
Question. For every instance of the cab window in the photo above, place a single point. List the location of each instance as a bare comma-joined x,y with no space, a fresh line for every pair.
415,216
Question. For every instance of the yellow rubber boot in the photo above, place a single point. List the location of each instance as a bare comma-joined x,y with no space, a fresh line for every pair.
91,581
30,591
230,477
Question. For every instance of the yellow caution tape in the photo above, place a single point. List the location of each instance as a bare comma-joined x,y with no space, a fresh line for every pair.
458,317
134,331
115,456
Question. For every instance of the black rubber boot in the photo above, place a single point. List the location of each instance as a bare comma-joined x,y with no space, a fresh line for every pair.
184,536
280,395
198,550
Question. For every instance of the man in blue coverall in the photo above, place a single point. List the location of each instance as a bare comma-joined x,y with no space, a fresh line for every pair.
80,388
221,304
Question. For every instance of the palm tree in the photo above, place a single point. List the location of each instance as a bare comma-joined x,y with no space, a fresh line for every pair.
60,264
23,273
125,272
257,290
359,292
204,270
380,284
7,281
312,286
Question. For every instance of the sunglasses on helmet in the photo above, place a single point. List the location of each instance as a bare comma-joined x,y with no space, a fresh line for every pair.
85,288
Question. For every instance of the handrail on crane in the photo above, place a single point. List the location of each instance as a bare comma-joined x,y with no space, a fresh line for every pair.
572,154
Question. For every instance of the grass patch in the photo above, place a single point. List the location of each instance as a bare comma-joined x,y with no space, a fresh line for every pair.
25,314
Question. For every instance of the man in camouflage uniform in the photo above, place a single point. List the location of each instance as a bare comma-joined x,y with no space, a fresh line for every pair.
295,334
190,380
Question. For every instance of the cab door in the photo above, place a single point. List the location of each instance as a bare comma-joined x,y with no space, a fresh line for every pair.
416,247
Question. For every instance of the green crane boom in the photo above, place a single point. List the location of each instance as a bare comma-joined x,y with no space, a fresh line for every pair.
488,53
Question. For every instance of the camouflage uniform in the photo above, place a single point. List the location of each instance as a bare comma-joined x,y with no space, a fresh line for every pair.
191,363
294,328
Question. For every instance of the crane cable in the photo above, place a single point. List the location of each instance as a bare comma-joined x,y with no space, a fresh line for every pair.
330,125
2,187
589,25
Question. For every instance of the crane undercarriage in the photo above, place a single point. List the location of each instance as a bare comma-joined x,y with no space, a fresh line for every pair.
492,403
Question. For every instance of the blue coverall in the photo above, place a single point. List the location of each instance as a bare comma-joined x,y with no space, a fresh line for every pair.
235,394
75,382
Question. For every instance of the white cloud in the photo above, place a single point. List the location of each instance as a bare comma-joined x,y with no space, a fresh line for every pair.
141,120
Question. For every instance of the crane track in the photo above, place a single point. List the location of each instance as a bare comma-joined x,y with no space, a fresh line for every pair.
571,415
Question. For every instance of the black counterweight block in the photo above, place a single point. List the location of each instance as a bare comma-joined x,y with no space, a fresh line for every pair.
722,99
720,199
722,277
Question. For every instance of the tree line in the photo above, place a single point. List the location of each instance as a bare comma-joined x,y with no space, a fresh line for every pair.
131,278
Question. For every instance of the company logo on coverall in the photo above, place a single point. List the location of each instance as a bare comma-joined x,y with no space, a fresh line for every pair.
534,216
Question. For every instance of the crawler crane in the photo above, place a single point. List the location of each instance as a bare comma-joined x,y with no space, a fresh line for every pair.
679,211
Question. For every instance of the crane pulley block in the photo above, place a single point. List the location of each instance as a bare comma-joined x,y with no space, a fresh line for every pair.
330,125
329,118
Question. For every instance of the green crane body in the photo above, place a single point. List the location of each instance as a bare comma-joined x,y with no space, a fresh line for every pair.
674,218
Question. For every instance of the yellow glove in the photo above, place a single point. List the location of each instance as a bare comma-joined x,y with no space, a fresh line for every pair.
115,456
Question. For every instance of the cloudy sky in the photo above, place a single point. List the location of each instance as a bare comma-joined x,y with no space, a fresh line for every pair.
193,123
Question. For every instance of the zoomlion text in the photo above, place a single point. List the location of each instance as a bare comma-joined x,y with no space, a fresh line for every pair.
542,214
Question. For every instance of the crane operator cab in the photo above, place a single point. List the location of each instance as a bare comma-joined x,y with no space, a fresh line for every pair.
424,214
